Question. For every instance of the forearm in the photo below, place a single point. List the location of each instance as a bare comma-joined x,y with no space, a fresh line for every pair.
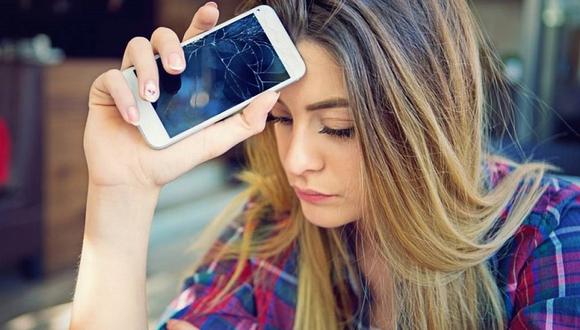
110,291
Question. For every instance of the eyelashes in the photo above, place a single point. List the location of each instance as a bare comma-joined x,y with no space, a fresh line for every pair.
339,133
275,119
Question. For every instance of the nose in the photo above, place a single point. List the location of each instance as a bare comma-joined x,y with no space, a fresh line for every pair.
303,155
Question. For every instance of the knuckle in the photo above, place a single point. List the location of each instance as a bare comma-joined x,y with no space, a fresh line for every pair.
137,41
201,26
111,73
111,77
250,127
102,78
164,39
161,31
106,77
260,128
114,92
244,123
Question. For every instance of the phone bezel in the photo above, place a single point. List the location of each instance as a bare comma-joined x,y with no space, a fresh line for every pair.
151,126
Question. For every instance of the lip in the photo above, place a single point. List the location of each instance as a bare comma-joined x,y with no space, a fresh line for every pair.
312,196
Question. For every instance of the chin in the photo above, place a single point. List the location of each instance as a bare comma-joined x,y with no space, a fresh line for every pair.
324,216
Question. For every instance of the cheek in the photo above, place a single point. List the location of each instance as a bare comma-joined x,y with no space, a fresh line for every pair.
344,169
344,162
354,197
350,172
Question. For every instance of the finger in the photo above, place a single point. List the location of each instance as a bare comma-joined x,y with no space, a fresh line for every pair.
180,325
165,42
218,138
140,54
113,84
222,136
204,19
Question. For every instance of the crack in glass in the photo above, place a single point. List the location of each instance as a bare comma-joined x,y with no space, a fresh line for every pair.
223,69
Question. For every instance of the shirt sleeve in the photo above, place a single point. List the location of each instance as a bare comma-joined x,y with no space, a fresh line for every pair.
235,311
548,293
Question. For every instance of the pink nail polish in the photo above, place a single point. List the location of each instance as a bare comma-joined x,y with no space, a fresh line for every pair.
150,91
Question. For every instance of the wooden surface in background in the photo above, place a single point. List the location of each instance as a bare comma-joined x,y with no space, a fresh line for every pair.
66,88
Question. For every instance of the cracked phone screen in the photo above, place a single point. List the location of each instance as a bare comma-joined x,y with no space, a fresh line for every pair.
223,69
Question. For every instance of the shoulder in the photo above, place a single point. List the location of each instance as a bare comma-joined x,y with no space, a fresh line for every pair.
559,200
199,287
262,287
555,212
556,209
537,270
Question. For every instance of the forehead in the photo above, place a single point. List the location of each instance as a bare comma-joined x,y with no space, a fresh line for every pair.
323,76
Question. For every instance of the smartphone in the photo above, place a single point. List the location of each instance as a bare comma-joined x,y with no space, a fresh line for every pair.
226,67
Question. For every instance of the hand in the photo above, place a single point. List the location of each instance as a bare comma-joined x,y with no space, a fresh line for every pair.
180,325
117,154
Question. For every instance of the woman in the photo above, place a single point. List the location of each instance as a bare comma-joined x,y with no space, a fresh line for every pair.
372,201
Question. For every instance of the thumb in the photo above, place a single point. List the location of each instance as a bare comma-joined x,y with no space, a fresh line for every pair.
218,138
180,325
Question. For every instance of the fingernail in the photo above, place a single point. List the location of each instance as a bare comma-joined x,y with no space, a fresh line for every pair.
211,3
175,61
150,91
133,115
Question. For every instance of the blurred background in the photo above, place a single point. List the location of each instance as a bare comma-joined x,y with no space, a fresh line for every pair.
52,50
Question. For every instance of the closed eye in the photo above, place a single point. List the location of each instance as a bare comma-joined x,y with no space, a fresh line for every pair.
279,119
340,133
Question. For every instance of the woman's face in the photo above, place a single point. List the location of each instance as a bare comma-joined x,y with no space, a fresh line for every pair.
316,141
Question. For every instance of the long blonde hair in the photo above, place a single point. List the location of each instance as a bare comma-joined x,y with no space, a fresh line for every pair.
418,74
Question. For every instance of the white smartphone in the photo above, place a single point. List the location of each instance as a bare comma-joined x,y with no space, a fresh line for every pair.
226,67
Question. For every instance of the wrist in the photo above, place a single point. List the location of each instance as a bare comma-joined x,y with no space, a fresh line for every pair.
120,216
123,189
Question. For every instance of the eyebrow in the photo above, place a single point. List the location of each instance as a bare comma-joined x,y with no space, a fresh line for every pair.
326,104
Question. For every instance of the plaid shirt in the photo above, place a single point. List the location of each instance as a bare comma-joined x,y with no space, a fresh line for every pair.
537,272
